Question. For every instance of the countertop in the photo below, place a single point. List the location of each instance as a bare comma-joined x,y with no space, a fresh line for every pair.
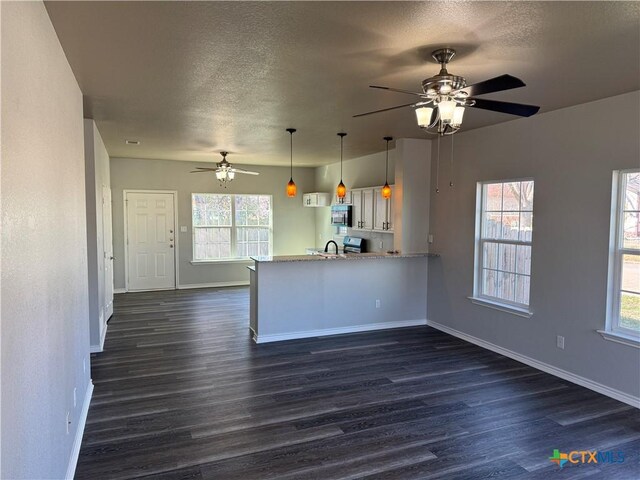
342,257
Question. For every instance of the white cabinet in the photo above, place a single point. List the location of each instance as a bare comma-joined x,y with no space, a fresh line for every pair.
347,200
362,211
316,199
382,212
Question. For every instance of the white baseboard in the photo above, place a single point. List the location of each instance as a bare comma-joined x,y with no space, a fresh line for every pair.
545,367
100,348
119,290
278,337
240,283
77,441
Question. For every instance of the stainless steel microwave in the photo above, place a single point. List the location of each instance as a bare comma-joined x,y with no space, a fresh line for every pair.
341,215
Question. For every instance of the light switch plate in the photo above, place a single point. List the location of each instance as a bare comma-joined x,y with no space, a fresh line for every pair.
183,229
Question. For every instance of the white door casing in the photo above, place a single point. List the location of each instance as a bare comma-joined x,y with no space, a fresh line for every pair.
107,247
150,235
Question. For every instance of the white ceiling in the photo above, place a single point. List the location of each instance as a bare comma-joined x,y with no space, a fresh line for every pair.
191,78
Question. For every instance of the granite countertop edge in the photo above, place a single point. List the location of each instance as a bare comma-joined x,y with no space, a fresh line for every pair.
347,257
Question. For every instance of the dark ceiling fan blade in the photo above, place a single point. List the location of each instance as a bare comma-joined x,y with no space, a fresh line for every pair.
497,84
383,110
397,90
519,109
207,170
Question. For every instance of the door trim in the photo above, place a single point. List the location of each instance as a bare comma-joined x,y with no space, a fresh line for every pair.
126,236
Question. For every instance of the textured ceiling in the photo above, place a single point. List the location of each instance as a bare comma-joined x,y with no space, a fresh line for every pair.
188,79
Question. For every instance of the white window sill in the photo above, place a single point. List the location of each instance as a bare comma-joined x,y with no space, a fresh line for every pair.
221,262
503,307
620,338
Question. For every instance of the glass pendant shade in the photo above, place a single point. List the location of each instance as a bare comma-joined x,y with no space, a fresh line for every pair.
220,175
458,113
291,188
423,116
231,175
386,191
341,190
446,110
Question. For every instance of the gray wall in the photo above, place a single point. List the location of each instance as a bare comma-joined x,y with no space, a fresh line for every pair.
367,171
96,176
293,224
571,154
45,331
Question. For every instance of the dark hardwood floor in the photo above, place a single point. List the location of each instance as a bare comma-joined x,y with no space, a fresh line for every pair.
181,392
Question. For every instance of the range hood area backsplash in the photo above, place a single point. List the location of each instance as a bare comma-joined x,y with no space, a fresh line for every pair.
373,239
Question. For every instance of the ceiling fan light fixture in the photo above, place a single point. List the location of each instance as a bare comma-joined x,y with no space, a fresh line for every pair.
231,175
221,174
423,116
458,114
446,109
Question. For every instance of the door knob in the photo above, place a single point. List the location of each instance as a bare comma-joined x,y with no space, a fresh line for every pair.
170,231
170,246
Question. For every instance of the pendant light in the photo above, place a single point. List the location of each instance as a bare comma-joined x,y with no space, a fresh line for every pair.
386,190
341,190
291,186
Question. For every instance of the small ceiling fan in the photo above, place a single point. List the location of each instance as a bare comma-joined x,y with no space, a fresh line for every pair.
224,171
440,106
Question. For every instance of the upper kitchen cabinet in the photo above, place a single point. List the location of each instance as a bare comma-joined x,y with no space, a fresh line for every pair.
347,200
382,211
316,199
362,201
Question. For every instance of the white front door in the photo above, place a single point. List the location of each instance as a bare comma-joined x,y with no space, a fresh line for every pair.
150,241
107,241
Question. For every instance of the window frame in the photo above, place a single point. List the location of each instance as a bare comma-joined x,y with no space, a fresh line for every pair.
478,297
234,227
616,255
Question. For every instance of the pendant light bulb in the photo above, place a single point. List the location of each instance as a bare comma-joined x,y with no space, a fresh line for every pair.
386,190
291,186
341,190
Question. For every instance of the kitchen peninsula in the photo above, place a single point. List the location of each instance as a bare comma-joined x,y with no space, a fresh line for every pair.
304,296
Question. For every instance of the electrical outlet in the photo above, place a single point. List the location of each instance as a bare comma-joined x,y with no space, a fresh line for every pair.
84,365
75,399
430,238
381,244
183,229
378,303
68,422
560,342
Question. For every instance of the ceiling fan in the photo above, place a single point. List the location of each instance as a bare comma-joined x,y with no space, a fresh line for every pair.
440,107
225,172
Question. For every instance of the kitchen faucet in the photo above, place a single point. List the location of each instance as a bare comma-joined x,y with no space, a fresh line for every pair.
326,247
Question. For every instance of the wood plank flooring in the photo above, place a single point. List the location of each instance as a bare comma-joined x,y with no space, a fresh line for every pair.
181,392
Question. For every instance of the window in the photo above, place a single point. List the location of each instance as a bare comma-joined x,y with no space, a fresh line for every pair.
503,243
230,226
624,268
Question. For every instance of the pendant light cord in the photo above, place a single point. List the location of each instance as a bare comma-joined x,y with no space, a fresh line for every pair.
451,164
386,165
438,168
291,151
